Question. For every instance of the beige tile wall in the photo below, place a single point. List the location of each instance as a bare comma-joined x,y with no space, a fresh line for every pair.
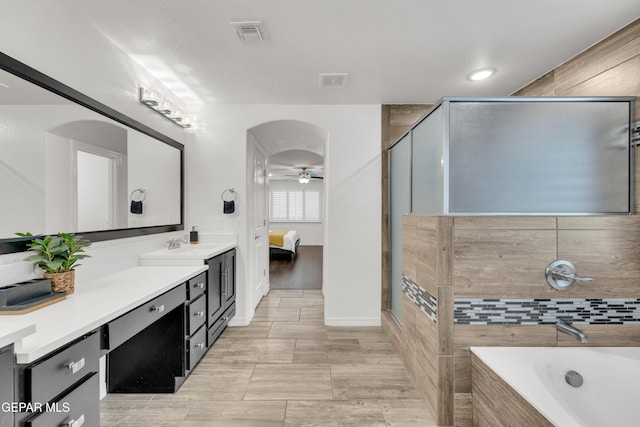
506,256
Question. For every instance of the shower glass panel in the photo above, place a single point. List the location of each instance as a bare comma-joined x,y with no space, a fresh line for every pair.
427,164
539,157
399,204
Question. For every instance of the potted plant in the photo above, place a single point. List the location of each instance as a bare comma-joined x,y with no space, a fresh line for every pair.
58,256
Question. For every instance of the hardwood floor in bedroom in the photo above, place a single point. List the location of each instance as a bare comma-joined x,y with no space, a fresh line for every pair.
286,369
303,272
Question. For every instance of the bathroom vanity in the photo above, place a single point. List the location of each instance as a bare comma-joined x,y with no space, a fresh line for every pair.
151,322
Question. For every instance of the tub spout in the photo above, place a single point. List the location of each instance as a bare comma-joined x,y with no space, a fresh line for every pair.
571,330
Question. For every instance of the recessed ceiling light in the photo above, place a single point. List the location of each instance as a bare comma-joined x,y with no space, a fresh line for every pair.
481,74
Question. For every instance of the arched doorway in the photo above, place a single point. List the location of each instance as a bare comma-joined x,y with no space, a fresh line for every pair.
284,149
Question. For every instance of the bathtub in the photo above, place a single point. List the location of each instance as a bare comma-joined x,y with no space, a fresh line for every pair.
609,396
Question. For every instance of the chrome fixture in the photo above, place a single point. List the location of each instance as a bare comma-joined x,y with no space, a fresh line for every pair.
561,274
567,328
153,99
176,243
574,379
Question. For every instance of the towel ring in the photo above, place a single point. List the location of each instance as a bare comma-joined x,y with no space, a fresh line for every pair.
233,194
141,191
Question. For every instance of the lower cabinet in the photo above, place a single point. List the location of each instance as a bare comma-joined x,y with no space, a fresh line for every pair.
79,406
195,328
221,293
62,388
150,349
6,385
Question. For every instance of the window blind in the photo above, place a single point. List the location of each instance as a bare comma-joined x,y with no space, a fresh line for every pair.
294,205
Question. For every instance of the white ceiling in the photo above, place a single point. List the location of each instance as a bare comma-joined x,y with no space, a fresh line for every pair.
395,51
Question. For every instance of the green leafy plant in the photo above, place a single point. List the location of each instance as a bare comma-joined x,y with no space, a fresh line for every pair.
57,254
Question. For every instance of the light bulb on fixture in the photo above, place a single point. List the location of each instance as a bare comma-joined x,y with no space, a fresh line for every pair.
154,100
303,179
150,97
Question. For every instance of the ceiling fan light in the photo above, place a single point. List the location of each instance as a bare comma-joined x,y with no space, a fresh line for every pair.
303,179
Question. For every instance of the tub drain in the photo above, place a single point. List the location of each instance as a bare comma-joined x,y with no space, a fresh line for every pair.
574,379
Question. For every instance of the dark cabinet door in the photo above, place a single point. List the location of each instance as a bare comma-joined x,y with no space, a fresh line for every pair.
215,283
229,266
6,384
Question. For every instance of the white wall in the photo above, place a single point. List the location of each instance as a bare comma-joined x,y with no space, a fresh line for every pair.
216,154
217,160
311,233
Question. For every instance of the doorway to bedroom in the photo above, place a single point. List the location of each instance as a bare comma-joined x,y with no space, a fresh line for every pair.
296,227
295,199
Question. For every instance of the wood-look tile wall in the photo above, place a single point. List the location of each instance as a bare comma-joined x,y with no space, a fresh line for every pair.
506,256
496,404
426,347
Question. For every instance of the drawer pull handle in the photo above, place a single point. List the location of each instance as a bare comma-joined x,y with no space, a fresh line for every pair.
76,366
75,423
199,314
158,309
199,285
200,345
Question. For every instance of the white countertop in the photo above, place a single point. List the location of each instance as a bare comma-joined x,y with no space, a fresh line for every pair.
93,304
186,255
12,333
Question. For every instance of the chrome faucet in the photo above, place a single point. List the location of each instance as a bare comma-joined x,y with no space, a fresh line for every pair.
175,243
570,330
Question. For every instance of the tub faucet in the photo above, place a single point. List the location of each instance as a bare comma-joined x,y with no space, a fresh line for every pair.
568,329
175,243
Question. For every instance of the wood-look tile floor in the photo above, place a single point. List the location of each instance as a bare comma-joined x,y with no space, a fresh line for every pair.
285,369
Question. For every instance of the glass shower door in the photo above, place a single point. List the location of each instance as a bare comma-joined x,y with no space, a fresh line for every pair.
399,205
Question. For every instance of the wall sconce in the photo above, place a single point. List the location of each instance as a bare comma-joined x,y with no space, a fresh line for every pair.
154,100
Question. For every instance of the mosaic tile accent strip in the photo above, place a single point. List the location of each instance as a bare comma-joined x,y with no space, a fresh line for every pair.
526,311
420,297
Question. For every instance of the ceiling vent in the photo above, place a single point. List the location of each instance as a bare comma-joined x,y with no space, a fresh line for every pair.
333,79
249,31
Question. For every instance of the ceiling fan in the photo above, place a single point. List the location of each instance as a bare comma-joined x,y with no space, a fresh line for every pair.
304,176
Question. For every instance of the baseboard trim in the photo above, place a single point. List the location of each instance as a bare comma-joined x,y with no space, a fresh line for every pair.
242,320
352,321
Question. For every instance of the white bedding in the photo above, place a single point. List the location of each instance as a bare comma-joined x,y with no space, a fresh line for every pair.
290,240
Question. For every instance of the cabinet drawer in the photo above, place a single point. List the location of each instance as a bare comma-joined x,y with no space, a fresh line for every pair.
51,376
79,407
197,346
196,286
128,325
219,326
197,314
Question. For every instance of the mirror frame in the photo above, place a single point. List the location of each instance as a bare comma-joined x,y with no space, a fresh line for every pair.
17,68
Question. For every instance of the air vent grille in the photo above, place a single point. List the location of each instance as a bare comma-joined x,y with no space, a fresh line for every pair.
249,31
635,134
333,79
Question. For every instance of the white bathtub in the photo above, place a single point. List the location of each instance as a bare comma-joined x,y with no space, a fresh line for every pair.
609,397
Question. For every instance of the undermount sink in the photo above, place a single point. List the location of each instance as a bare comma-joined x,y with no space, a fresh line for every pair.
185,255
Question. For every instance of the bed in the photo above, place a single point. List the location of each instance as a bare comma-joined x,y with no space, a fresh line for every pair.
283,243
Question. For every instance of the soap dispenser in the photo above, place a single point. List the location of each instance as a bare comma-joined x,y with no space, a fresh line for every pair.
193,235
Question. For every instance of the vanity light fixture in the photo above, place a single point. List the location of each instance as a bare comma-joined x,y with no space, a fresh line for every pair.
481,74
153,99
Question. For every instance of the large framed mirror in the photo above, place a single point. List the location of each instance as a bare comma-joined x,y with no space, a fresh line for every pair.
71,164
